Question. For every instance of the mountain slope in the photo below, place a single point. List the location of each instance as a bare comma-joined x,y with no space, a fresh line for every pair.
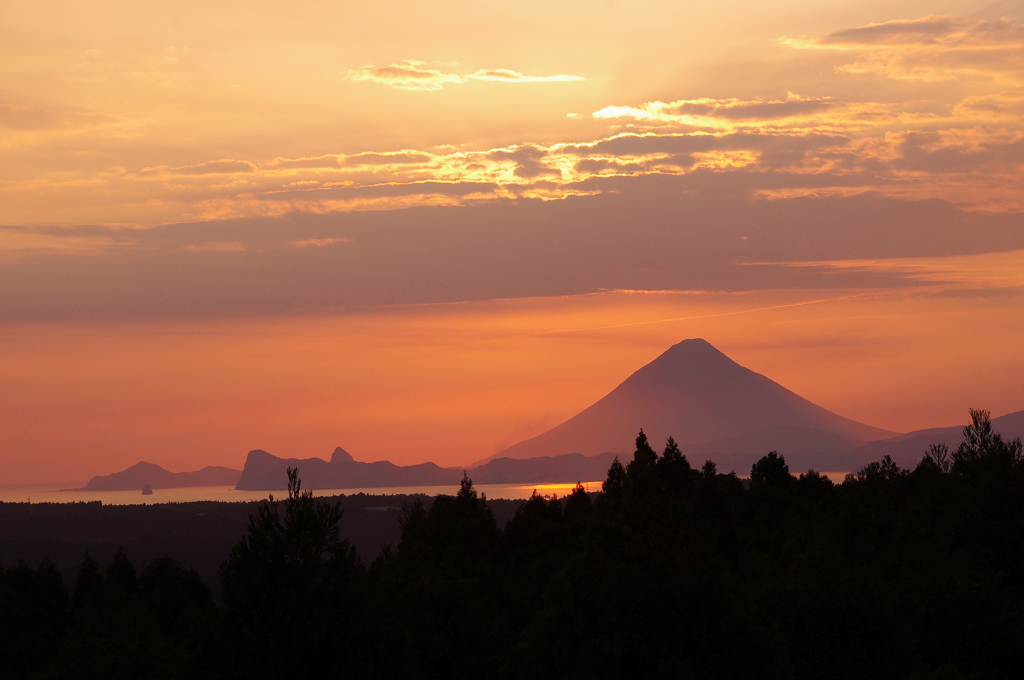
699,396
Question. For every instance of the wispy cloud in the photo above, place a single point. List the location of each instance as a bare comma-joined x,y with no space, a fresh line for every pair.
733,113
502,75
224,166
15,117
407,75
418,75
26,125
932,48
956,32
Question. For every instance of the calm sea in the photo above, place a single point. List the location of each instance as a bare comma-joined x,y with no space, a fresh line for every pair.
50,494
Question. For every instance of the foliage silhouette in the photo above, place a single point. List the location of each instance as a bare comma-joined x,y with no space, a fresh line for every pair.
937,458
88,582
34,606
121,572
982,447
671,571
771,471
291,591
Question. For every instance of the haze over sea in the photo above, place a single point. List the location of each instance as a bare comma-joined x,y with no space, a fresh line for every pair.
48,493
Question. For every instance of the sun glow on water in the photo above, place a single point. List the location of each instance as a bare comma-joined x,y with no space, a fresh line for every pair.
47,494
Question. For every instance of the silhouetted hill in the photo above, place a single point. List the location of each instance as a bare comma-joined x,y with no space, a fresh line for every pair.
908,449
711,405
265,471
142,473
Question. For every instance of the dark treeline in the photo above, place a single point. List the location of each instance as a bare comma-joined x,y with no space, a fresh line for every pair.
671,572
199,534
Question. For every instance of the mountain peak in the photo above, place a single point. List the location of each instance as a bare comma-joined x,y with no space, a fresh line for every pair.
691,343
340,455
144,465
688,364
698,395
694,350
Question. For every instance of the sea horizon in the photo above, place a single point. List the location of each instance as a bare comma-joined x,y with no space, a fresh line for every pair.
49,493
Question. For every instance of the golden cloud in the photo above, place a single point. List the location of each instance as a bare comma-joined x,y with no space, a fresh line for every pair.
726,114
999,106
932,48
954,158
968,148
932,30
407,75
417,76
224,166
506,76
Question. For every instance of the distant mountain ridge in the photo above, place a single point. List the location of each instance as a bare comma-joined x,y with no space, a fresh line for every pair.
714,408
264,471
143,473
268,472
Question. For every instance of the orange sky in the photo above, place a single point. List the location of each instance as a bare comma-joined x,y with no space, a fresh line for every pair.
424,232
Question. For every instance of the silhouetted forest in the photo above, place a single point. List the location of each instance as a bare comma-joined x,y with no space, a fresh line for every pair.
199,534
671,572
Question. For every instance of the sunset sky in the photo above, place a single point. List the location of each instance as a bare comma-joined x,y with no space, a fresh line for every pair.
426,231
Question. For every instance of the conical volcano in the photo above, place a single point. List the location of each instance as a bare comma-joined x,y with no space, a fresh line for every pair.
709,404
